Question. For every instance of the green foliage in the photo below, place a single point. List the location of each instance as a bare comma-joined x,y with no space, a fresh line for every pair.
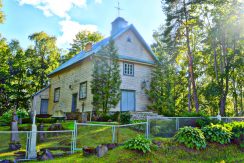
2,17
106,80
46,120
193,114
191,137
80,41
46,58
237,129
211,31
139,143
22,113
39,120
6,118
204,121
26,120
217,133
115,116
125,118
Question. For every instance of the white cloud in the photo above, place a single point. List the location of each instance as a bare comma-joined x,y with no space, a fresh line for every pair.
55,7
69,29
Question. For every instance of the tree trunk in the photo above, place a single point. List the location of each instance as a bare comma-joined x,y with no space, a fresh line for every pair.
190,60
234,96
189,93
241,100
224,95
215,62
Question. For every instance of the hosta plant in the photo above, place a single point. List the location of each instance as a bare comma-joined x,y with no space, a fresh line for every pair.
139,143
191,137
237,129
217,133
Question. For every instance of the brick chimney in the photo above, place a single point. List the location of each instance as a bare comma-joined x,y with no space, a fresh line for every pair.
88,46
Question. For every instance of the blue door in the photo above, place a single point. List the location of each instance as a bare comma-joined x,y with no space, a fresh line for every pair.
74,102
127,100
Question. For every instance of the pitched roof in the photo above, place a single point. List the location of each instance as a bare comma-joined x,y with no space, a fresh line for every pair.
43,89
97,46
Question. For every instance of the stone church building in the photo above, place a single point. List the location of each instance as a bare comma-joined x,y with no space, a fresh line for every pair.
69,89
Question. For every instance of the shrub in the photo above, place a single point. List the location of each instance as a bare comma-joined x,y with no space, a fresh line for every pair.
237,129
125,118
43,115
26,120
46,120
217,133
22,113
139,143
6,117
192,114
115,116
204,121
191,137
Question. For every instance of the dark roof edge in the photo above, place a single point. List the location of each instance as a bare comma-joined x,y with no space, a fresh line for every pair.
43,89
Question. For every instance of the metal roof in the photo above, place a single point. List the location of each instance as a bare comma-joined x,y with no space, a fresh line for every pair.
97,46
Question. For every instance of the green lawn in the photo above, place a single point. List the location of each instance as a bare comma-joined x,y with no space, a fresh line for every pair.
91,136
168,152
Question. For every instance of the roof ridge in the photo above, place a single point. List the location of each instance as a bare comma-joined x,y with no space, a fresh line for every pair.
96,47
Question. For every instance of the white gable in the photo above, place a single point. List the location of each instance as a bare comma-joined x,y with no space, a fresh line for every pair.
129,45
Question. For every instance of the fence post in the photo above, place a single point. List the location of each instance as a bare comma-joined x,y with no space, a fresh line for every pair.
27,145
113,134
75,134
147,128
177,124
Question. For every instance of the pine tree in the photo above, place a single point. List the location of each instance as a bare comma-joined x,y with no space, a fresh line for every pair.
105,85
181,19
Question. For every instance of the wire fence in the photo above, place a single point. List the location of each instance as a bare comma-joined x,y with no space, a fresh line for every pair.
65,142
96,134
167,126
60,143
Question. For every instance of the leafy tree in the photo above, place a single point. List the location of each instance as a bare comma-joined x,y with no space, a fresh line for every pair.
4,76
224,31
1,13
105,85
45,56
80,41
17,75
181,23
200,42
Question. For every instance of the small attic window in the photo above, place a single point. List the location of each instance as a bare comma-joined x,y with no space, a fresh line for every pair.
129,39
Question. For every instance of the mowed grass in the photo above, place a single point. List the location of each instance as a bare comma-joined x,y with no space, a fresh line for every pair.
91,136
169,152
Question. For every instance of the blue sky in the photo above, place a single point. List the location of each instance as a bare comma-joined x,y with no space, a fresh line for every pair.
64,18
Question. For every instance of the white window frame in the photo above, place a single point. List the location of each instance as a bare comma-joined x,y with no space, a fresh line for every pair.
83,90
128,69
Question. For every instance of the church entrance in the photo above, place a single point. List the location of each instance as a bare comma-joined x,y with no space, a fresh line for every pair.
127,100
